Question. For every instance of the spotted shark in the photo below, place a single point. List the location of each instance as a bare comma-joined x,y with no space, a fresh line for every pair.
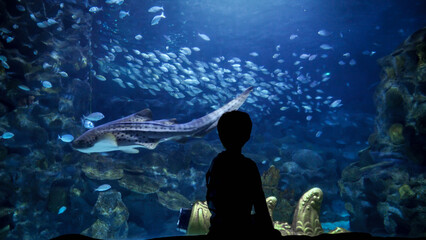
138,130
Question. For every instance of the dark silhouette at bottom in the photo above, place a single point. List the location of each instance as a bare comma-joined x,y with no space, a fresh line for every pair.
234,186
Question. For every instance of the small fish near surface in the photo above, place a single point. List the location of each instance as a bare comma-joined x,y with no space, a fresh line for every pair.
140,131
155,9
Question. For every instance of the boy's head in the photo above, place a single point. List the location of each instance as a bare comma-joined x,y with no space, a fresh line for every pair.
234,129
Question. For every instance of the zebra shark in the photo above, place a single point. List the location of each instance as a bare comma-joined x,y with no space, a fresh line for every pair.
138,130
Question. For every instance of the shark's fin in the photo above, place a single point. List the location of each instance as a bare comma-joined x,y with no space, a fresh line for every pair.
166,121
141,116
150,146
108,140
131,150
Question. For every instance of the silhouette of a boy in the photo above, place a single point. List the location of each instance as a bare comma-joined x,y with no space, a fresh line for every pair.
234,186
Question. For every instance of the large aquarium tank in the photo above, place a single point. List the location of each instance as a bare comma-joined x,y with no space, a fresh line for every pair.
108,113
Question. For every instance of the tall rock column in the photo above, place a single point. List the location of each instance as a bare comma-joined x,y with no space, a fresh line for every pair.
385,191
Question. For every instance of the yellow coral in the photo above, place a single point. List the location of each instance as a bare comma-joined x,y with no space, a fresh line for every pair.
395,133
405,192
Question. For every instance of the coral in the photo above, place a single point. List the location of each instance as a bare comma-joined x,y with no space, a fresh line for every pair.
112,217
140,184
306,216
381,190
102,170
199,222
305,221
395,133
271,202
270,180
173,200
405,192
271,177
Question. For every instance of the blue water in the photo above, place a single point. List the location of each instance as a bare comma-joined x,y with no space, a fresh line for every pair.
298,102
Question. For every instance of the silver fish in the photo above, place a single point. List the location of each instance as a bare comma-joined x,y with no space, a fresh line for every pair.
155,20
140,131
155,9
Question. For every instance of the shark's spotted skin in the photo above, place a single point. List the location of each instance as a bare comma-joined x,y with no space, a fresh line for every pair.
140,131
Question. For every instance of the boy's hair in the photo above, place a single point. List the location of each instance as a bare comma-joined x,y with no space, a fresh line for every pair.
234,129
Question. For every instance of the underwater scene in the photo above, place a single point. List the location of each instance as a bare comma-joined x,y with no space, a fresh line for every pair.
108,114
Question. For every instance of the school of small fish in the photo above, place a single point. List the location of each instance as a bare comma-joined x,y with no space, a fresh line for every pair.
179,74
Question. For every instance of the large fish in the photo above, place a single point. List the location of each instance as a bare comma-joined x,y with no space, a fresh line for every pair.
140,131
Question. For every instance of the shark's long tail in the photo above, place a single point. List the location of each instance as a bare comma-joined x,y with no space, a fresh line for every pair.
210,120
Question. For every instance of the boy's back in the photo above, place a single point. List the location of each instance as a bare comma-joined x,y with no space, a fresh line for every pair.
233,182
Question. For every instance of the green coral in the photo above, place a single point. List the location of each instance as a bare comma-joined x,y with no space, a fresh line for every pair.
395,133
405,192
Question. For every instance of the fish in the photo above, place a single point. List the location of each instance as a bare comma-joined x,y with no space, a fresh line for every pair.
324,33
304,56
95,9
155,9
7,135
352,62
100,77
66,138
123,14
9,39
138,37
62,210
336,103
51,21
138,130
63,74
155,20
312,57
43,24
95,116
87,123
204,37
293,36
23,87
254,54
46,84
118,2
318,134
326,46
103,187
